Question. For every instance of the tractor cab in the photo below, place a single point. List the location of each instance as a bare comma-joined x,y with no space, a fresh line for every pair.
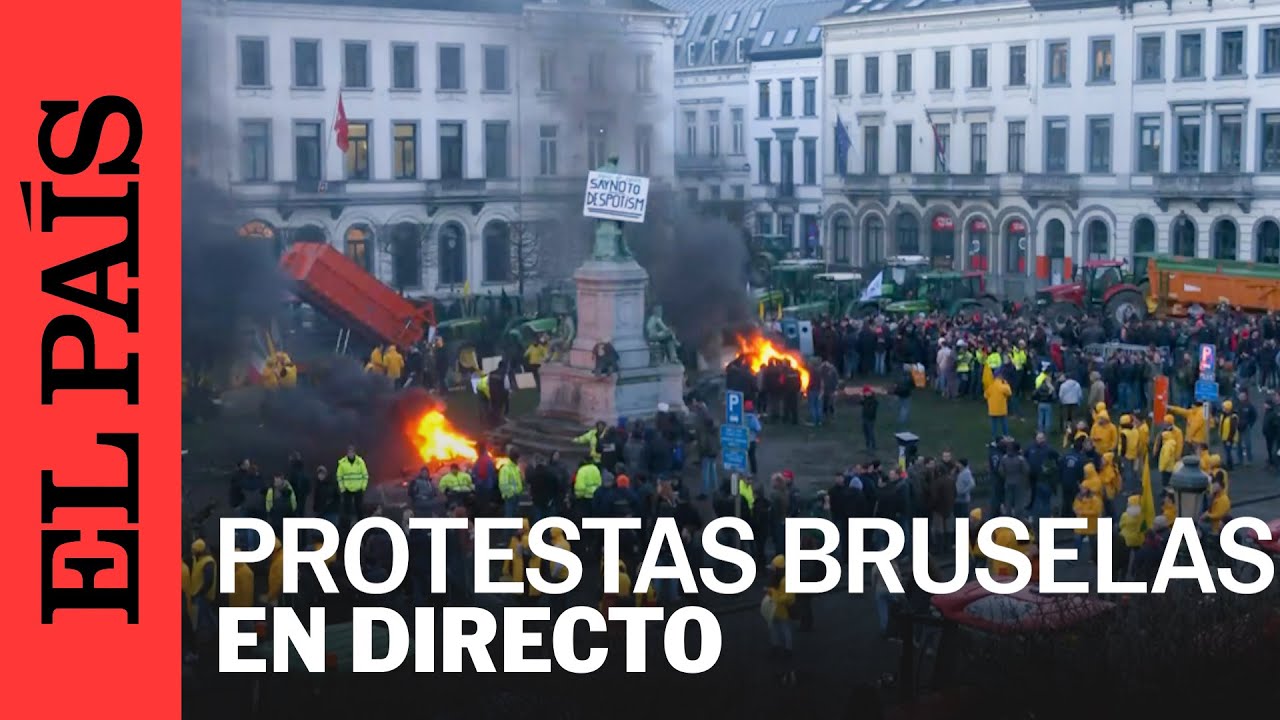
840,290
795,279
1096,277
1096,285
947,291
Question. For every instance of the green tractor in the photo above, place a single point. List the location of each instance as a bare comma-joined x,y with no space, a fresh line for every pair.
954,293
834,294
899,280
765,251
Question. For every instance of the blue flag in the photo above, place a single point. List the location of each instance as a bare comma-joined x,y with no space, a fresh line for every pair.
843,143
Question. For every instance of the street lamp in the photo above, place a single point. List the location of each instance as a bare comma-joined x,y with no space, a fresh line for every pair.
1189,485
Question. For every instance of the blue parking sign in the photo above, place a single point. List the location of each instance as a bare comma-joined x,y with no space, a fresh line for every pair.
733,403
1208,360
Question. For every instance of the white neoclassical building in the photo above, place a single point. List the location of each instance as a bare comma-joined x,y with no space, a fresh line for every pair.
471,123
1022,136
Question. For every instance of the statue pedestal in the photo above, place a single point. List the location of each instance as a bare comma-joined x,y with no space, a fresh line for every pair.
611,307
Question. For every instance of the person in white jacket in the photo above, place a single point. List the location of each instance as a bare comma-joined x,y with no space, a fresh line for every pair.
1069,396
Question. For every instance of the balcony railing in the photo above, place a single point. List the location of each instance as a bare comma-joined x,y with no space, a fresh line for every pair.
865,184
1051,186
456,186
926,185
780,191
1203,188
700,163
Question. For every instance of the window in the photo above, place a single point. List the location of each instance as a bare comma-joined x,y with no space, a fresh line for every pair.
1017,146
597,140
840,237
1184,236
1018,66
764,153
1056,242
941,147
453,255
1230,142
904,73
451,166
871,150
547,71
978,148
1144,236
871,74
1100,67
356,159
1058,63
790,37
1270,142
809,155
406,252
497,252
841,74
1188,143
907,234
1231,53
764,223
1190,55
355,65
691,132
1097,237
768,38
255,150
495,68
1268,244
450,67
404,66
1271,50
1015,244
644,73
404,162
872,241
306,63
814,33
787,227
755,20
810,97
644,148
253,62
738,192
942,70
786,164
785,110
356,246
548,150
1150,140
1099,145
713,133
715,193
730,21
902,142
978,68
1224,240
716,47
763,101
495,150
740,49
736,119
1055,145
1151,57
307,168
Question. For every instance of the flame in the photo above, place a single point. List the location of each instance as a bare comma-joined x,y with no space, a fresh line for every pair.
759,351
439,442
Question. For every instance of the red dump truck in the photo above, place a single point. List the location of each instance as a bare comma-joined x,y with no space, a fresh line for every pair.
336,286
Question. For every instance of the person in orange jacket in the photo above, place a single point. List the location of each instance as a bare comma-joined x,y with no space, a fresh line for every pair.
1219,509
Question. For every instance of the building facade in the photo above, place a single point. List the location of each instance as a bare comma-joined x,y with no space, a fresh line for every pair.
1023,137
470,126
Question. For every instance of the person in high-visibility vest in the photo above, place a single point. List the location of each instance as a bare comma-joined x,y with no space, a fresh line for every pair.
511,484
1229,431
204,586
964,367
591,439
353,479
455,481
586,481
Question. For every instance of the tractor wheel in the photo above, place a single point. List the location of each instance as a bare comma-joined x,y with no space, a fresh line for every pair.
1059,313
1126,304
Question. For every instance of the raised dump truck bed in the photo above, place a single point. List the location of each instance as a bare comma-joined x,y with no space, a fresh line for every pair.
338,287
1185,281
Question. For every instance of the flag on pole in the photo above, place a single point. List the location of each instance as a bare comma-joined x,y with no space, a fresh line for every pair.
1148,498
843,143
874,288
939,147
341,128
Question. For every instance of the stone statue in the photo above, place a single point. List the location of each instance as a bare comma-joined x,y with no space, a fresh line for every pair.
664,348
610,245
566,331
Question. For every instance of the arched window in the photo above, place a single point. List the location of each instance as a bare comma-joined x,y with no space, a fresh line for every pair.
1268,242
1015,247
497,252
406,255
359,246
873,241
1144,236
840,232
452,254
309,233
1055,239
907,234
1184,236
942,241
1224,240
1099,241
979,242
260,231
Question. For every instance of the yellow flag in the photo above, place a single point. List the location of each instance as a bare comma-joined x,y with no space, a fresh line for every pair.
466,289
761,311
1148,498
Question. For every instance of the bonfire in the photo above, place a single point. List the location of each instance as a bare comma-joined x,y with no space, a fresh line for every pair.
440,444
759,351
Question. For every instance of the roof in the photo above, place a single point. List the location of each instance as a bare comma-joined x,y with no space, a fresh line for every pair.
512,7
790,29
863,8
723,22
838,276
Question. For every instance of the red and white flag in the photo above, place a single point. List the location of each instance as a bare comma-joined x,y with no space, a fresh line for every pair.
341,127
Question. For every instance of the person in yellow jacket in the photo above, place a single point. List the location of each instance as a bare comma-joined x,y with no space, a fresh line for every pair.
1004,537
1169,456
776,609
1087,505
1098,409
1169,506
534,357
242,595
1129,450
456,481
975,554
1217,473
554,572
1197,427
204,586
511,484
591,439
1229,432
513,569
1131,532
352,476
1104,434
1219,508
1092,480
620,598
586,481
188,608
1144,438
1109,477
997,395
375,364
393,363
275,576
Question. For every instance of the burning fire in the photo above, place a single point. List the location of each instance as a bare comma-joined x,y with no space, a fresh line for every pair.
438,442
759,351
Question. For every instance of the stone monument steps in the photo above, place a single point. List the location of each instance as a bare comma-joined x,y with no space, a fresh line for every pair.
541,434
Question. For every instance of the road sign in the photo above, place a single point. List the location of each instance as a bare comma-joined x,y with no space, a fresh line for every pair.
733,447
732,407
1206,391
734,436
1208,360
734,460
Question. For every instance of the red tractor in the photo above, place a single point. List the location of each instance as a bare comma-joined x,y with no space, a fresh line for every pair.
1097,285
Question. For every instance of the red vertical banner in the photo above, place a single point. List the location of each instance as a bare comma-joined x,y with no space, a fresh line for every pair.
91,203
